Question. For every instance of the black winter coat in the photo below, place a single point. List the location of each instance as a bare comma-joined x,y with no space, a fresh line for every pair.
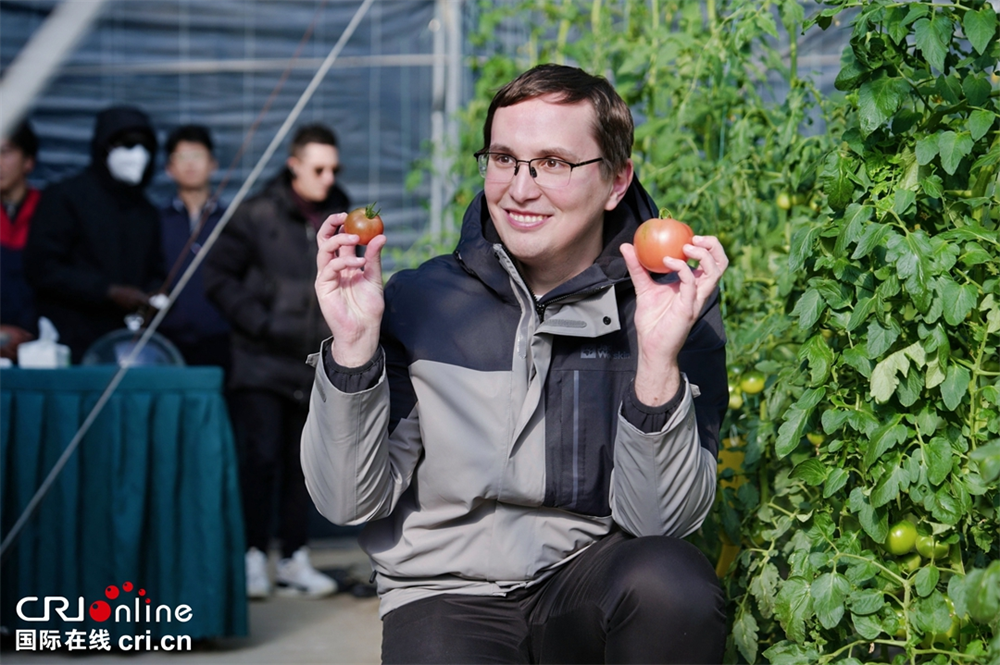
261,274
91,231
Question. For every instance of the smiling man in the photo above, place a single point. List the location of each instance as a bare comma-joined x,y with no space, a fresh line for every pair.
528,426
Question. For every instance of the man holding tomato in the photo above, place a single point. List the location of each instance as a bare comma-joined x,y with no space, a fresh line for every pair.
528,427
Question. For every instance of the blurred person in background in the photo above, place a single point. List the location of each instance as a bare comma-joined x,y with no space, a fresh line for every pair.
18,322
93,255
261,274
193,324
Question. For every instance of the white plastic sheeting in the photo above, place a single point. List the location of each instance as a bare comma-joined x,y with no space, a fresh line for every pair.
216,62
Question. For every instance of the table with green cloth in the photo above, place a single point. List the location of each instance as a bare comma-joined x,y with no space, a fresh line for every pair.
149,501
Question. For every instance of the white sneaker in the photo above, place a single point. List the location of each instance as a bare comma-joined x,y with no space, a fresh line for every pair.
297,577
258,584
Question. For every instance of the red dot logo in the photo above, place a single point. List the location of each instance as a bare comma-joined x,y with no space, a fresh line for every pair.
127,586
148,601
100,611
142,592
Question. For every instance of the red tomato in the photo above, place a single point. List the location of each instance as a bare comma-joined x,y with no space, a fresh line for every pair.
364,223
658,238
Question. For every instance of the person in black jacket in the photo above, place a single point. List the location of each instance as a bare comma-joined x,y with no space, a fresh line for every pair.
260,274
93,255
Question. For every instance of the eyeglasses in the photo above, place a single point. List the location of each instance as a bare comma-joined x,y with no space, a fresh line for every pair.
547,172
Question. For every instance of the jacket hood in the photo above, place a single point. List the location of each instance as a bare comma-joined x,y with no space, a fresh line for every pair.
109,124
479,236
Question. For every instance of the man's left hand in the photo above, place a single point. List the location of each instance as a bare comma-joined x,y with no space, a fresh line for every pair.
665,313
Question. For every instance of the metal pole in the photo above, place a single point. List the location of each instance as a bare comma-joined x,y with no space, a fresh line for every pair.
38,60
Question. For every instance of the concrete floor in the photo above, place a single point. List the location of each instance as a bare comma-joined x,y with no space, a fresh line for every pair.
334,630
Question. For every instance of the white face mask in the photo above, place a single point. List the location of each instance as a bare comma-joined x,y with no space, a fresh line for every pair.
128,164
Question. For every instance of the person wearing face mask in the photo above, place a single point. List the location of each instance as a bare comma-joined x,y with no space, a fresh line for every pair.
260,274
94,252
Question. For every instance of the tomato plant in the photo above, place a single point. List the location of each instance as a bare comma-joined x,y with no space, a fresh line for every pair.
870,299
659,238
364,223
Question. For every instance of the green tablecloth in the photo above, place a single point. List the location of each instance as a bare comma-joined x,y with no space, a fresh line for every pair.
150,497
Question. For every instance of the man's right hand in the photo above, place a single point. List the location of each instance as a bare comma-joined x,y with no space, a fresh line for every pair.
349,289
129,298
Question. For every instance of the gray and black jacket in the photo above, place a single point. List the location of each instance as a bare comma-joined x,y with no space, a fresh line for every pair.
493,437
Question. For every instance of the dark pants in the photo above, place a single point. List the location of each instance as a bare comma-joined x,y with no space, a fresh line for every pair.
270,428
624,600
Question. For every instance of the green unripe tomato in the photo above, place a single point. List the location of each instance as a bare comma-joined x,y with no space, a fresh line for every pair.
784,200
910,564
932,549
901,539
752,382
816,438
735,398
900,624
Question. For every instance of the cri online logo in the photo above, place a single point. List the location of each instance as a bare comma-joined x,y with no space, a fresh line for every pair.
100,610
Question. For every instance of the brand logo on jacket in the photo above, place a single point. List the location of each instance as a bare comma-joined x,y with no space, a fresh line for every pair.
604,351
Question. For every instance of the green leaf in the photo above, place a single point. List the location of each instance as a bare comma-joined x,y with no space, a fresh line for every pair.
953,147
955,386
937,455
888,488
866,601
881,339
787,653
932,614
835,481
853,223
980,27
903,200
982,593
851,71
801,246
933,38
932,185
829,591
745,635
811,471
927,149
873,236
884,380
926,580
988,457
793,607
979,123
808,308
791,431
874,522
960,300
868,627
977,89
762,587
878,100
818,354
836,179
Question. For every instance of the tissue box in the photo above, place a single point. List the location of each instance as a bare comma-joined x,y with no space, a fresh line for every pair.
43,354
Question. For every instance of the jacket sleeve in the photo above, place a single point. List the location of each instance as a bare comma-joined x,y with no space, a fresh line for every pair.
664,481
232,282
48,256
355,470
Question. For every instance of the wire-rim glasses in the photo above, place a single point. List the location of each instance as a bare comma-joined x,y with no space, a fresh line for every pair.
548,172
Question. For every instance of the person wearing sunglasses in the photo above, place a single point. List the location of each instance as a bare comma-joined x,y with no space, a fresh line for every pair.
260,275
528,426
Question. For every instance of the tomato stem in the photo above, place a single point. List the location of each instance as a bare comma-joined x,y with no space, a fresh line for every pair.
370,211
